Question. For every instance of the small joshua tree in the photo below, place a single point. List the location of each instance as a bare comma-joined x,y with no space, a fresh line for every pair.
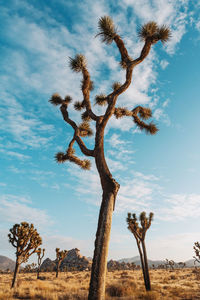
40,255
196,248
170,264
25,238
150,34
139,233
60,255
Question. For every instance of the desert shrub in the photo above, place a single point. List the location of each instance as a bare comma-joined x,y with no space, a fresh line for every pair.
121,289
151,295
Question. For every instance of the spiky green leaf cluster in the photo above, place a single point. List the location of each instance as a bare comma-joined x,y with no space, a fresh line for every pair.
107,30
79,105
85,116
85,129
145,113
116,86
68,99
60,157
56,99
153,31
78,63
120,112
151,129
164,34
86,165
101,99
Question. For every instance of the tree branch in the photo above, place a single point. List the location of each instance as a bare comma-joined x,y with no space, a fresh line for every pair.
80,142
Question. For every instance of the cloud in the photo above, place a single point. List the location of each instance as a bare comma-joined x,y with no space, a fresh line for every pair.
12,155
180,206
170,245
164,63
50,242
16,209
159,114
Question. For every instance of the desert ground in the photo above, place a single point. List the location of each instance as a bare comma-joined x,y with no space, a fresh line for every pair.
166,284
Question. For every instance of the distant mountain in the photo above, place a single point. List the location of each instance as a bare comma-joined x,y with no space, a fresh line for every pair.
6,263
137,262
190,263
130,259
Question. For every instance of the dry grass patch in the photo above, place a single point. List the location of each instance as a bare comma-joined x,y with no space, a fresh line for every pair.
127,285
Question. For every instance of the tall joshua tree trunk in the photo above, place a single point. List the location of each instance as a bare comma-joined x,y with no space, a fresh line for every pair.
15,273
150,33
142,260
147,279
99,266
57,269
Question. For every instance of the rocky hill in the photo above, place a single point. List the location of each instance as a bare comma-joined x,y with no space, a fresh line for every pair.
73,261
6,263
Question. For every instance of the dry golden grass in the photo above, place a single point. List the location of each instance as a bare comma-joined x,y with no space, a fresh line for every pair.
127,285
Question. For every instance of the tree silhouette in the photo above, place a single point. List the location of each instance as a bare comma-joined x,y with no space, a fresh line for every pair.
40,255
170,264
60,255
150,33
196,248
25,238
139,233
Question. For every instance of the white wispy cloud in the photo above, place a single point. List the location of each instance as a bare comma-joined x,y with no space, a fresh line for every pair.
16,209
180,206
13,155
164,63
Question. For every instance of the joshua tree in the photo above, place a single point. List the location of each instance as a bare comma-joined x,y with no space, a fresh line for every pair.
60,255
196,248
150,34
40,255
139,234
170,264
25,238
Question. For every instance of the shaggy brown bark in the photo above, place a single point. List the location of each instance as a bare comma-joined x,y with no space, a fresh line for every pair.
15,273
110,187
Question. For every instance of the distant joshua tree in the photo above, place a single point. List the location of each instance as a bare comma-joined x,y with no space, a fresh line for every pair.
196,248
139,234
181,265
60,255
170,264
25,238
40,255
150,34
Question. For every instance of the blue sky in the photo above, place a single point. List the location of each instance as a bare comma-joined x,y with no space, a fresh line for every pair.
156,173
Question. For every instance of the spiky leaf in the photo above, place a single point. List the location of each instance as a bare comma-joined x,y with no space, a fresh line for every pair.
60,157
101,99
78,105
68,99
116,86
164,33
152,129
77,63
107,30
86,165
56,99
145,113
148,30
85,116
